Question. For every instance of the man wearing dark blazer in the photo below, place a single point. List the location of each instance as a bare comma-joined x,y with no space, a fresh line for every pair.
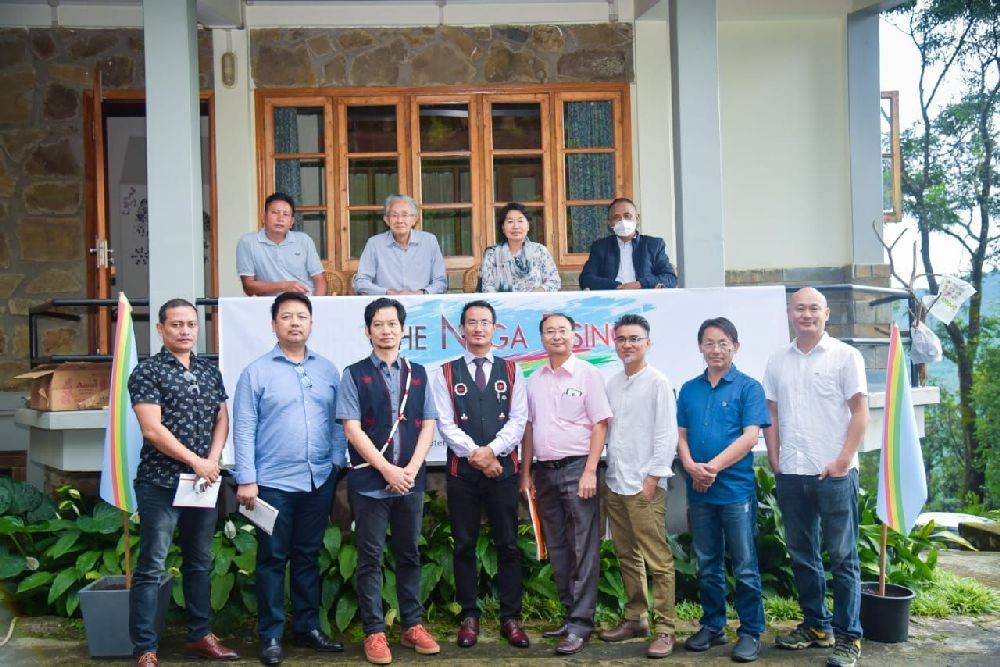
645,267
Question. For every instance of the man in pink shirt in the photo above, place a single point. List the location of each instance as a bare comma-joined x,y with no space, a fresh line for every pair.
568,414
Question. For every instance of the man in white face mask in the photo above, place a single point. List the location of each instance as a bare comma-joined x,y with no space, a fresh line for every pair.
627,260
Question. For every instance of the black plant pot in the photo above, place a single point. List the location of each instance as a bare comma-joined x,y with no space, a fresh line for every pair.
105,605
886,618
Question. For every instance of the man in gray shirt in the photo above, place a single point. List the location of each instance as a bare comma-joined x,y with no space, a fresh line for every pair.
402,260
275,259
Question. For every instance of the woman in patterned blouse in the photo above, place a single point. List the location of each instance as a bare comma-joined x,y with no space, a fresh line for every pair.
517,264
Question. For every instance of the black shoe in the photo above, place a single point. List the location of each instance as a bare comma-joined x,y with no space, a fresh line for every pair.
705,639
270,652
318,641
746,650
557,632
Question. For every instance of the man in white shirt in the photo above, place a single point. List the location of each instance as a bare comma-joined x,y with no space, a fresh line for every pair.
642,442
818,399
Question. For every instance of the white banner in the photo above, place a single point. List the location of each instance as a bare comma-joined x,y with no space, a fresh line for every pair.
431,334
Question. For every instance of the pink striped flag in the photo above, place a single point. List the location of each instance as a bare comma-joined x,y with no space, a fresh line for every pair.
123,437
902,485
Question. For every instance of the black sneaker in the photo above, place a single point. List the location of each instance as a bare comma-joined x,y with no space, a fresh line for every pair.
705,639
845,652
746,650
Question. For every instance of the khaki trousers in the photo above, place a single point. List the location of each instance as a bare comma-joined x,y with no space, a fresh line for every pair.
638,528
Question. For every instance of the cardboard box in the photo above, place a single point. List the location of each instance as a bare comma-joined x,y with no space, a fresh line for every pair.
68,386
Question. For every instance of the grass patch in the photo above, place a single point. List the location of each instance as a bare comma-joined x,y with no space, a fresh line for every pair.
950,595
777,608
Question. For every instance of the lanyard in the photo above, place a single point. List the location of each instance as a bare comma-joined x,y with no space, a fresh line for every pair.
399,418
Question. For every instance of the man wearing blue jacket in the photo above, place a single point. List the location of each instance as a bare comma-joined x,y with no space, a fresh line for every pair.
627,259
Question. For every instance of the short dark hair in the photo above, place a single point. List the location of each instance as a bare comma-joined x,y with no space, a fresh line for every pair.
620,200
721,323
502,215
479,303
279,196
380,303
174,303
546,316
289,296
632,318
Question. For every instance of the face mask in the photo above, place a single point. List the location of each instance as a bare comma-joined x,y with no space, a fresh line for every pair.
624,227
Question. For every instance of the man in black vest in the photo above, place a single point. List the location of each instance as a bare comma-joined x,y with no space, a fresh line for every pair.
482,409
388,417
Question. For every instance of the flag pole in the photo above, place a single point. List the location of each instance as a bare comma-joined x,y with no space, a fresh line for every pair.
881,561
128,552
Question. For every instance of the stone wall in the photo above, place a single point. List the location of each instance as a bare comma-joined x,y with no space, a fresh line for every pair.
444,55
43,249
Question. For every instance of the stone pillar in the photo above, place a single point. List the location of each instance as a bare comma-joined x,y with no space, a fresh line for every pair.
173,155
697,142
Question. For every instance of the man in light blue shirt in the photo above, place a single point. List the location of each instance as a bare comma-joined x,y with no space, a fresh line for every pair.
275,259
402,260
289,450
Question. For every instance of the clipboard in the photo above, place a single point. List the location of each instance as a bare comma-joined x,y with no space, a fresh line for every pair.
194,491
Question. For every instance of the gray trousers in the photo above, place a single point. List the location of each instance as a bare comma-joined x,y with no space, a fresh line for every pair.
573,539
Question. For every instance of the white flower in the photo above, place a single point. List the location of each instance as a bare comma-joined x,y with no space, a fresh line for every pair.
229,530
32,563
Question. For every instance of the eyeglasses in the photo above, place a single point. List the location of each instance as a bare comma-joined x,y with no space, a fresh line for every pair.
721,346
400,216
478,324
633,340
303,378
552,333
192,383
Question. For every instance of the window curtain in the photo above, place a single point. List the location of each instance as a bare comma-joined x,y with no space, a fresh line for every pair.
287,178
588,175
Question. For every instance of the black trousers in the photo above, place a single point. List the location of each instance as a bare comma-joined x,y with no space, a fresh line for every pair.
467,497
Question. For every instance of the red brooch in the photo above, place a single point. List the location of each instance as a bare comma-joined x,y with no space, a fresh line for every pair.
366,379
461,389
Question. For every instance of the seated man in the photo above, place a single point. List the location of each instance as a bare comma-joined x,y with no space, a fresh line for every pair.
627,260
275,259
403,260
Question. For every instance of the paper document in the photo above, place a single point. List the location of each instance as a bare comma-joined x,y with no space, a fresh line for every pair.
194,491
263,515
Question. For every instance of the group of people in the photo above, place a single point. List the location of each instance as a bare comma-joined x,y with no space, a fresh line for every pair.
406,260
299,422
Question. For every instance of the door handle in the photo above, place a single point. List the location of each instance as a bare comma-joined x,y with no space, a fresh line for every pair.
103,253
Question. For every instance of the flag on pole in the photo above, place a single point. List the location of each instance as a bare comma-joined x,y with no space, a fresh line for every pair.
902,485
123,437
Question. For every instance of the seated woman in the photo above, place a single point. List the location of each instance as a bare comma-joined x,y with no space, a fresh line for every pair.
517,264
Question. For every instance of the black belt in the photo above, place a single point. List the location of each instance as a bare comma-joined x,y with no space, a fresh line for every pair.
555,464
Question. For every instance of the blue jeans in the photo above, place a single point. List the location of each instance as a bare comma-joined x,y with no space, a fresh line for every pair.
404,515
158,518
297,537
807,504
715,531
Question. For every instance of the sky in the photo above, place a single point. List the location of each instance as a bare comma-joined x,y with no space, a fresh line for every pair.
899,69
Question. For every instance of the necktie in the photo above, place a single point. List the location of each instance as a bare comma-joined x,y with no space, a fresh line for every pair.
480,374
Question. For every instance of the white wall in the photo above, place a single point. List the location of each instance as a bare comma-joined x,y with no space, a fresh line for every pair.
784,143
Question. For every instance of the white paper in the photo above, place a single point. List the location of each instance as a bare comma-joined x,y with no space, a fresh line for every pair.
952,295
263,515
193,491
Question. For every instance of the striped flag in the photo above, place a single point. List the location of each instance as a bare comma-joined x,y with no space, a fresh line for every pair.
902,485
123,437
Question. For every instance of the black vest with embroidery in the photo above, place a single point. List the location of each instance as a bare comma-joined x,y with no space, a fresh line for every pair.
480,413
376,421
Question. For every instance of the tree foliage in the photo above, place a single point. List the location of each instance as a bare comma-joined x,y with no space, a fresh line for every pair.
950,168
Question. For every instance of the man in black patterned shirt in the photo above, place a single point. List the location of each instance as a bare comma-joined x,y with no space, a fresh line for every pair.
180,402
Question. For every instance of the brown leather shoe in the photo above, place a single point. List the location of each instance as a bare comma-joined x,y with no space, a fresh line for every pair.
468,632
556,632
626,630
515,634
147,659
210,648
661,646
571,644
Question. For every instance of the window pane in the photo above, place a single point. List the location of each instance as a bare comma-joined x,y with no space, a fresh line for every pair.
364,224
446,180
590,176
453,230
886,125
298,130
303,180
444,127
517,178
313,223
371,181
589,125
536,220
517,125
371,129
887,206
584,225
